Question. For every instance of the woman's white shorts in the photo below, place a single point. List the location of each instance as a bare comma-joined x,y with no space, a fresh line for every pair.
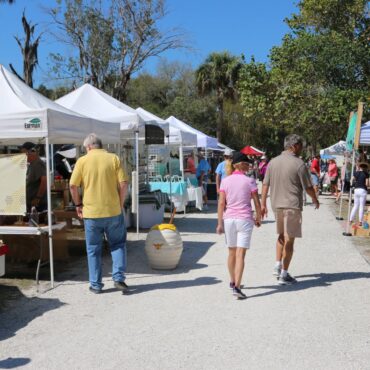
238,232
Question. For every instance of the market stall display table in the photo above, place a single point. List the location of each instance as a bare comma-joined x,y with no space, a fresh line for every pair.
32,230
196,195
177,191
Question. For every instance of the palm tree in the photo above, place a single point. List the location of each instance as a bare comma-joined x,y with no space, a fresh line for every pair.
29,52
218,75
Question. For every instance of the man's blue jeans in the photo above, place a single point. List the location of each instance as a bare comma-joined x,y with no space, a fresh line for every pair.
115,230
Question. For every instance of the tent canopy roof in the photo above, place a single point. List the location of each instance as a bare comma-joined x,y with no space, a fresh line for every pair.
26,114
203,140
338,148
92,102
176,135
251,150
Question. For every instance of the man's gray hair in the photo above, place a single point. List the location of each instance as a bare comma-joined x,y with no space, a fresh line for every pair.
292,140
93,141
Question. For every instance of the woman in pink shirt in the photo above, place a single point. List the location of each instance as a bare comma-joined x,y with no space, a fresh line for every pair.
333,176
235,217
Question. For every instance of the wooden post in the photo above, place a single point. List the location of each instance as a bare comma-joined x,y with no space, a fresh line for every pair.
358,125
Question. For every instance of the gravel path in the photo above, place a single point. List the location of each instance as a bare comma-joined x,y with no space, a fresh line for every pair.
188,319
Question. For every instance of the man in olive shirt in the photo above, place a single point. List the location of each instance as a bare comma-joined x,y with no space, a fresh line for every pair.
288,177
36,178
104,185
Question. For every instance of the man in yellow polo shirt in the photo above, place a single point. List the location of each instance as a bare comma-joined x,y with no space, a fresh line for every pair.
104,185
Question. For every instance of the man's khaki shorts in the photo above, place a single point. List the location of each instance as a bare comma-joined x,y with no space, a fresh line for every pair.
289,222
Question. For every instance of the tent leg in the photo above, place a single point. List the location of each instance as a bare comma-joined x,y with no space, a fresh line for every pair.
137,181
169,172
181,155
50,226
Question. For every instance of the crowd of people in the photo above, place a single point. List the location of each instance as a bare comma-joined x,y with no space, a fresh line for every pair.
286,178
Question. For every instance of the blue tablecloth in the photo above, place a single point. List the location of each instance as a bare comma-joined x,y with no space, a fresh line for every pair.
193,181
169,188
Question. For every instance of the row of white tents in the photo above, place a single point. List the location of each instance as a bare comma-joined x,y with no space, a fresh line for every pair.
26,115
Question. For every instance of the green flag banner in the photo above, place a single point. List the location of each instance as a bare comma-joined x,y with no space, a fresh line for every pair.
351,132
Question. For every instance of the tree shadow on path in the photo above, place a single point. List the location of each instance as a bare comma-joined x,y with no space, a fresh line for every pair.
313,281
18,314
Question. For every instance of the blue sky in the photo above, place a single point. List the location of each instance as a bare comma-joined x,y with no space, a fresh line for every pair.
250,27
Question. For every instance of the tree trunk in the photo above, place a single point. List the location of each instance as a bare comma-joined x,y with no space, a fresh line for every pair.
120,90
220,118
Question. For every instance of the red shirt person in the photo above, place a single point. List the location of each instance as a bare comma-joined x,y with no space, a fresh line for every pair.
315,172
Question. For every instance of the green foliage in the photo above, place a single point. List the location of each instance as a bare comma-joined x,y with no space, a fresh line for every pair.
172,91
347,17
55,93
218,76
315,77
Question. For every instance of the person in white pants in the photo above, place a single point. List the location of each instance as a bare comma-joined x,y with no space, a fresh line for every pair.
361,181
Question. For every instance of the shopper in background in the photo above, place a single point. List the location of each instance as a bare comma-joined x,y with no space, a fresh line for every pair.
333,176
190,164
221,170
315,173
235,217
104,185
202,174
262,168
360,182
288,177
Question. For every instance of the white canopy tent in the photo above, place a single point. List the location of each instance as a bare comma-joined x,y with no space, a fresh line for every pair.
176,135
338,148
203,140
224,147
92,102
27,115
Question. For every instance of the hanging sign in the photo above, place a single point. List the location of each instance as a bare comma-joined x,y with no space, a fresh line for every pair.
153,135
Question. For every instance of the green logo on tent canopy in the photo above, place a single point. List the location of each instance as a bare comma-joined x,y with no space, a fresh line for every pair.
33,124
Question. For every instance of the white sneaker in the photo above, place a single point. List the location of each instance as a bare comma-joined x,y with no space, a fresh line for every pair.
277,271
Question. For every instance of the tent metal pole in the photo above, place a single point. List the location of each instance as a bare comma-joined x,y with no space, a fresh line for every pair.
137,181
170,172
181,155
52,161
50,226
347,232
